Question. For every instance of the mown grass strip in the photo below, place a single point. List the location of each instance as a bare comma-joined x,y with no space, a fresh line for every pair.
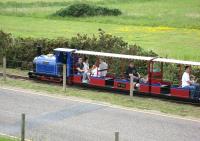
7,139
147,103
15,71
16,4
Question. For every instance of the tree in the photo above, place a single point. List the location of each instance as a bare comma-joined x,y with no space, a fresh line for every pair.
5,43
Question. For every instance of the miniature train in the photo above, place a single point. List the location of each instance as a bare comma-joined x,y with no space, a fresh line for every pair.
49,68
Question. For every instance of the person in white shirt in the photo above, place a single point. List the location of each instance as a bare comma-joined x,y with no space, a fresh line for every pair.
189,84
86,69
86,66
103,68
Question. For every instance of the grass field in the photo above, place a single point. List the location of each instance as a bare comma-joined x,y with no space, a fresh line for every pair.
7,139
169,27
15,71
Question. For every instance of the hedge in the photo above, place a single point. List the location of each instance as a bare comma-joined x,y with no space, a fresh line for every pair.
25,49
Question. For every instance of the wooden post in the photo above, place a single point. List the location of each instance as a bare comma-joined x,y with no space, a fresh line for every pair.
131,85
64,77
4,68
116,136
180,75
23,128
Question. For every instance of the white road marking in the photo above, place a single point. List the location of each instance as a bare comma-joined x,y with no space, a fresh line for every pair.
102,104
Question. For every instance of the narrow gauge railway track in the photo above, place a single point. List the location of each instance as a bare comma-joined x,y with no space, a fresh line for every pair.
15,76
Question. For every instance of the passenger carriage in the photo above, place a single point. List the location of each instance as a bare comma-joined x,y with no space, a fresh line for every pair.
49,68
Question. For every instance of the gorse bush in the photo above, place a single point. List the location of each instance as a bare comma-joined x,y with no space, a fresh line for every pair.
81,10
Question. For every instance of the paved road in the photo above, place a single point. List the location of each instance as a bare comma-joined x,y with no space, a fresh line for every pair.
54,119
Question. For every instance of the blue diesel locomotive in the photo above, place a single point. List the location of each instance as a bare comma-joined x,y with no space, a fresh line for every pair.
49,67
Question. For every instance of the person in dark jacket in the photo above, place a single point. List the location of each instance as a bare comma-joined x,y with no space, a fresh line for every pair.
80,69
132,71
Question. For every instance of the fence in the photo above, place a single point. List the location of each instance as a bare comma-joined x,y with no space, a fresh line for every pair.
25,128
14,67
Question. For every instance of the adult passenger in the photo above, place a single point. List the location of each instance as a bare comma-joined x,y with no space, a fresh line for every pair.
189,84
86,67
103,68
132,71
80,69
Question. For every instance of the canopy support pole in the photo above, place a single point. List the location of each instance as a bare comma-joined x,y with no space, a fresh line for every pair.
131,85
64,77
180,74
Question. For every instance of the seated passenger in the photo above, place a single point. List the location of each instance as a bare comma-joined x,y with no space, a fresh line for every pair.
142,80
94,71
86,67
189,84
193,79
80,69
103,68
132,71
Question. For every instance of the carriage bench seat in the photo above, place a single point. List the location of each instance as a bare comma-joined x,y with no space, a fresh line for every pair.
97,81
77,78
159,88
122,84
180,92
144,87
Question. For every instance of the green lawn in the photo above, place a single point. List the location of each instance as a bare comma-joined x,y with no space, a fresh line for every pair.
147,103
171,28
7,139
184,13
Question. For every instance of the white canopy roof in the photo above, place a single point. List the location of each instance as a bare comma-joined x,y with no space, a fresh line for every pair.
176,61
103,54
134,57
64,49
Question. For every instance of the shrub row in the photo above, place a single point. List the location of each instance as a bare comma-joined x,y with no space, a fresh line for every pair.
81,10
24,49
21,51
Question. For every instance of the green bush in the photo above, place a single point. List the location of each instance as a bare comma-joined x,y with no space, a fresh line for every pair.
5,42
81,10
25,49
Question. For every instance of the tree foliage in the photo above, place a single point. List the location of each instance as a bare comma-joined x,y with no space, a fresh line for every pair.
5,42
